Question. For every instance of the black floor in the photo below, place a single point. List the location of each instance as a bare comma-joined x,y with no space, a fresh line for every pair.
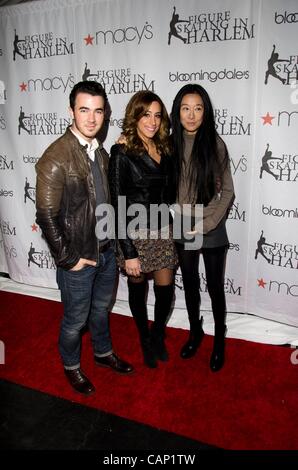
30,420
37,428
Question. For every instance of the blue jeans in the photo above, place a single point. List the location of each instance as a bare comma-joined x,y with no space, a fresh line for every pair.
86,296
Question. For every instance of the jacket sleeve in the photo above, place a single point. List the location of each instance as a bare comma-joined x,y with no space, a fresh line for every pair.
118,181
50,183
218,207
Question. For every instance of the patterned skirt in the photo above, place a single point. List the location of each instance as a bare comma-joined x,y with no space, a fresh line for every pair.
156,250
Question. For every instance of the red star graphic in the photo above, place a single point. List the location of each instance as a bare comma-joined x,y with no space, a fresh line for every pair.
34,228
267,119
261,283
23,86
89,40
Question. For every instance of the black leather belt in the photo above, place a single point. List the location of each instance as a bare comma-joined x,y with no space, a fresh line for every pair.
105,247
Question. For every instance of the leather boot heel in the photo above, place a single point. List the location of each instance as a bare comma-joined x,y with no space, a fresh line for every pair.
190,348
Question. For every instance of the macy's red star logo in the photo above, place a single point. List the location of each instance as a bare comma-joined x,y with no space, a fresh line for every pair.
89,40
34,228
267,119
261,283
23,86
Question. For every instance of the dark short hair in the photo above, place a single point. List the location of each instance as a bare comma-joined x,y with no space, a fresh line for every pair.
89,87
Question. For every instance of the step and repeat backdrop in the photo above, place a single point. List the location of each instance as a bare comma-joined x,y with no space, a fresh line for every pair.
244,53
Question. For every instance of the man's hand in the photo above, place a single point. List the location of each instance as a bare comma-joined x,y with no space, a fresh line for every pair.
82,263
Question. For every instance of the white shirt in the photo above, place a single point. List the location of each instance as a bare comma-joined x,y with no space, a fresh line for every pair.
91,147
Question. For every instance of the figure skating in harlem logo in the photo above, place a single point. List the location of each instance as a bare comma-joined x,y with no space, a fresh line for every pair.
261,244
29,192
283,168
266,159
174,27
41,45
22,123
205,27
284,70
33,256
118,81
42,123
18,45
43,259
281,254
87,73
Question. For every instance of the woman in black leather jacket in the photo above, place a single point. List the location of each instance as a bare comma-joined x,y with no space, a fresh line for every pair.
140,173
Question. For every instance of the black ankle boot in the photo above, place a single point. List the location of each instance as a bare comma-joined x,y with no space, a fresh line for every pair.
159,347
217,359
196,335
148,353
163,303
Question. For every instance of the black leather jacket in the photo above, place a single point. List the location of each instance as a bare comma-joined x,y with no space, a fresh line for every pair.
142,181
66,200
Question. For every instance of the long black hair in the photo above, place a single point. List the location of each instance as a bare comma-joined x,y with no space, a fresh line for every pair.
206,165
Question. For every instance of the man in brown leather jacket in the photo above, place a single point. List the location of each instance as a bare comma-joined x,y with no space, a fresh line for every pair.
71,183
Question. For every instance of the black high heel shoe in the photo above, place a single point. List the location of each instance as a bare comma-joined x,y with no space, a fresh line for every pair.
194,341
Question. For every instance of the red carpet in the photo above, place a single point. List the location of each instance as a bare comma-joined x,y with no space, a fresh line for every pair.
251,404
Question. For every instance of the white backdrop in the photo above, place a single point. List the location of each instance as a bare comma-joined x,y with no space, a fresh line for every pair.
244,53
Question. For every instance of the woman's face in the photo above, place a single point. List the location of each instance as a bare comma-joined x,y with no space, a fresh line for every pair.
149,124
191,112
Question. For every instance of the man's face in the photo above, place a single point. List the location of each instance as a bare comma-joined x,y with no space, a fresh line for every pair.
88,115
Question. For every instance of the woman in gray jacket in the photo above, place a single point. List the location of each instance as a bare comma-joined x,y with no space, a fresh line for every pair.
203,177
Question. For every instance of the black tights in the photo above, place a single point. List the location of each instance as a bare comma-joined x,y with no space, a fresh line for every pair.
163,277
214,260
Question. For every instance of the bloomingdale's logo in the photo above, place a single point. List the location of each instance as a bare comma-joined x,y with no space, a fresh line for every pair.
278,212
230,124
119,81
285,17
43,259
42,123
284,70
40,46
284,168
277,254
209,27
212,75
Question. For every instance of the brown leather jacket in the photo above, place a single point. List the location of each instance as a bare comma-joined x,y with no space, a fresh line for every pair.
65,199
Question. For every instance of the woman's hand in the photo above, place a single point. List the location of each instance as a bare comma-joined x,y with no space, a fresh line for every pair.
133,267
